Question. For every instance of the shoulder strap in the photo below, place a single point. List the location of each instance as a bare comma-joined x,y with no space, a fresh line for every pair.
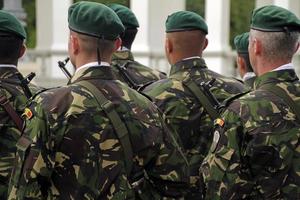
278,91
123,72
116,121
11,111
201,97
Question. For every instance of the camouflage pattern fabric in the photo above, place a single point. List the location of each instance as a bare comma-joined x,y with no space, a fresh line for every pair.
139,74
249,83
73,151
256,152
183,112
10,86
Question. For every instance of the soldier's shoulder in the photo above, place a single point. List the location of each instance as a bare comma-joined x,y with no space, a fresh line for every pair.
164,85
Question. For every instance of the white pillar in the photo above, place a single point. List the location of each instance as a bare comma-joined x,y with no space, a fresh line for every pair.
149,42
218,52
15,7
52,34
260,3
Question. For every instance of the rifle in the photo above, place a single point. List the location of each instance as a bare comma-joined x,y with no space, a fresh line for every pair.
62,66
24,83
212,99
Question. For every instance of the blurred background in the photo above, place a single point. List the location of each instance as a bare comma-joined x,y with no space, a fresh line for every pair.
47,29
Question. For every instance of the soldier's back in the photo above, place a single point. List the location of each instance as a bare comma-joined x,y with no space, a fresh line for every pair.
267,132
12,90
89,154
184,113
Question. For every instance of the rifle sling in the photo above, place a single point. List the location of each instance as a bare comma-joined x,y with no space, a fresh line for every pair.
11,111
116,121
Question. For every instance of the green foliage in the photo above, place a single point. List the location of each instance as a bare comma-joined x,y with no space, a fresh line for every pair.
123,2
29,7
240,15
197,6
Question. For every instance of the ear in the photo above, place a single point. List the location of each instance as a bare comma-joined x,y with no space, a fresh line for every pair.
297,47
257,47
205,44
22,50
241,65
74,42
118,44
168,46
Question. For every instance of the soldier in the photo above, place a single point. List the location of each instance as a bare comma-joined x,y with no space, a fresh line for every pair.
243,62
179,95
255,152
129,71
14,93
95,138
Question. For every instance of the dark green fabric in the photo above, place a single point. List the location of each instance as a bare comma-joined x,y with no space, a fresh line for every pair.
241,43
185,21
274,19
127,17
9,23
115,119
95,19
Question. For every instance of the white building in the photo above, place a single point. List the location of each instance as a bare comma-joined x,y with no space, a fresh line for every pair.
52,35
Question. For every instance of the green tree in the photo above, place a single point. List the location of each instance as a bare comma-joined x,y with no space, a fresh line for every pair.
240,15
29,7
197,6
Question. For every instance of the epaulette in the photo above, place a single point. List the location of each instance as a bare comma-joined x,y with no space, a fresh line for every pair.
41,91
228,101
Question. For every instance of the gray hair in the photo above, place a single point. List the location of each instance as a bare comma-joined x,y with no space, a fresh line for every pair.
276,45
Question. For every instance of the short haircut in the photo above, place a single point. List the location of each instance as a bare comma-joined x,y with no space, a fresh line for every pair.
277,45
128,37
187,42
10,48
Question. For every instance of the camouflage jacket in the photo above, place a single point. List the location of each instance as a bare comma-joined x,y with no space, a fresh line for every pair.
74,151
184,113
133,73
249,83
255,153
10,86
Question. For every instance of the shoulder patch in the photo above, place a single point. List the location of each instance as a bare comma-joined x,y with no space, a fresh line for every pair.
27,113
215,141
219,122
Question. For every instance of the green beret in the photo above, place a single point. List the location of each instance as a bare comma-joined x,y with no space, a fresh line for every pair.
241,43
274,19
127,17
94,19
10,24
185,21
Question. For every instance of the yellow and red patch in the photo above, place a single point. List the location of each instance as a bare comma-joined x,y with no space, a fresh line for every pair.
28,113
219,122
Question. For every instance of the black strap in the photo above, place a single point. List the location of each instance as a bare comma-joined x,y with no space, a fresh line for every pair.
4,102
199,94
278,91
116,121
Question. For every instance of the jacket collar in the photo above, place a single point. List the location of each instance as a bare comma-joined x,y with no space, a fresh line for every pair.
95,72
123,55
188,65
275,77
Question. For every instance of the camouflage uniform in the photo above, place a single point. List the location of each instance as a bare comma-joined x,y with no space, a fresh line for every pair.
183,112
73,151
10,86
249,82
138,74
255,153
